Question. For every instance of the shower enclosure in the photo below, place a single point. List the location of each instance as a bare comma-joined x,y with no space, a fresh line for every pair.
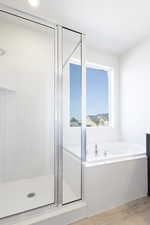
41,154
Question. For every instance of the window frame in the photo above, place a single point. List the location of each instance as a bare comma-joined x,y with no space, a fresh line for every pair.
110,73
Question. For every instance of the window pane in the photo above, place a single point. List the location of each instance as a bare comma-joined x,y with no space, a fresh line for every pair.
75,95
97,97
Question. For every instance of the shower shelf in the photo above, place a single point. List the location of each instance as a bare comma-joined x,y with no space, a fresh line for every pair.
2,88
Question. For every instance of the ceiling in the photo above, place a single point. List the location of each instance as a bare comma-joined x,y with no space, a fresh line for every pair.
111,25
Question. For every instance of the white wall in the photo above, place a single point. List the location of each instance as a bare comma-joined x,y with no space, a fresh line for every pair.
135,93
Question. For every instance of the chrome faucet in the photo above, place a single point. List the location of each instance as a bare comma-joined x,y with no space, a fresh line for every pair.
96,149
105,153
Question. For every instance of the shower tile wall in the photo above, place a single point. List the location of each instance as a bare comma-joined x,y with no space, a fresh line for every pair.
26,115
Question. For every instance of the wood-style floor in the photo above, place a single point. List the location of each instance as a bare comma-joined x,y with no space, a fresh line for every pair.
133,213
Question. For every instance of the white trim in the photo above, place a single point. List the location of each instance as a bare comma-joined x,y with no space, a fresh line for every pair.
98,66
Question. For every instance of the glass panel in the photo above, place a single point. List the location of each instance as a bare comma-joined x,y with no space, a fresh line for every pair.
26,115
72,163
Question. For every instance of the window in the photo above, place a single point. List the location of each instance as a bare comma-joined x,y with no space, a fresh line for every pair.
98,113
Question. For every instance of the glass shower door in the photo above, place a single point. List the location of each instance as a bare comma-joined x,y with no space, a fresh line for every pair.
72,115
26,115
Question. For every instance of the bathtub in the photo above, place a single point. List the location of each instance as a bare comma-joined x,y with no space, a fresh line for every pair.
114,151
117,174
110,151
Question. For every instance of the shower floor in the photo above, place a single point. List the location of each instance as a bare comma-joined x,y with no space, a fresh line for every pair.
14,195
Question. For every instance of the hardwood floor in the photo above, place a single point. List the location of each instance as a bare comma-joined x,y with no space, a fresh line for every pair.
134,213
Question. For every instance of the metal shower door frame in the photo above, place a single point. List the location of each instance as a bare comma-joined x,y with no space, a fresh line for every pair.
59,108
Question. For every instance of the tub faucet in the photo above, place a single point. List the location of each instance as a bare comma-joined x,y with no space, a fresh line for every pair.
105,153
96,149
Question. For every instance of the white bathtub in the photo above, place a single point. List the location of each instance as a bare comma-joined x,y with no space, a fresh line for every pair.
108,151
114,151
114,178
